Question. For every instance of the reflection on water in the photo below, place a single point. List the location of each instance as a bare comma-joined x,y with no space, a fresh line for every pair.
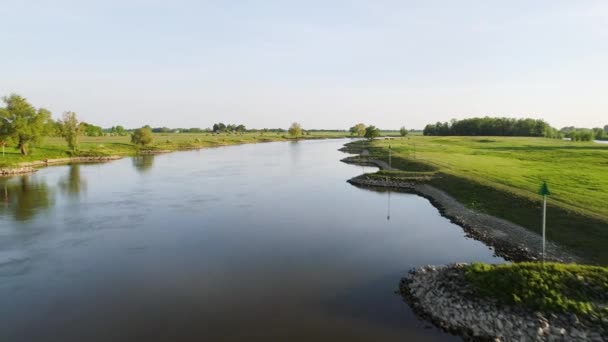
24,197
388,215
73,184
260,242
143,163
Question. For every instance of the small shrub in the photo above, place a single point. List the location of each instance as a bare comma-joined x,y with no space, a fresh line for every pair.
142,136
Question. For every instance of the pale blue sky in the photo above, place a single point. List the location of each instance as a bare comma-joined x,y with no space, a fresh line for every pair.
326,64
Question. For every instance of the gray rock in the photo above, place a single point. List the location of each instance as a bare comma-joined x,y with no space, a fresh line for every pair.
442,294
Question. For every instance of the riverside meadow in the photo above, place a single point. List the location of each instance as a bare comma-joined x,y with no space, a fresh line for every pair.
501,176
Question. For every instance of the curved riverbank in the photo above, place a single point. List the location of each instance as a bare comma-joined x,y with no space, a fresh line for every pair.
127,150
443,295
509,240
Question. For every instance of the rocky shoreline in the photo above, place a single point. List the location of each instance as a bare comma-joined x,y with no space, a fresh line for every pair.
509,240
31,167
443,296
10,171
154,152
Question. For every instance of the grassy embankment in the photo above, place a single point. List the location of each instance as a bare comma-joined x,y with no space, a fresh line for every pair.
550,288
501,176
54,148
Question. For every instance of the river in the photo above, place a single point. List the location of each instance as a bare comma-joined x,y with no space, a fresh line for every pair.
261,242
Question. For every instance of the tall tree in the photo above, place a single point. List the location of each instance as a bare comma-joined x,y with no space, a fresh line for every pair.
599,133
358,129
23,123
295,130
142,136
219,127
120,130
70,129
372,132
403,131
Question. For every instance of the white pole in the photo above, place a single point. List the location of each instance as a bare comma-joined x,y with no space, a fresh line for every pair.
544,222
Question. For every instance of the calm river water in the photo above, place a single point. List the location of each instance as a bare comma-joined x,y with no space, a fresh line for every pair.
256,242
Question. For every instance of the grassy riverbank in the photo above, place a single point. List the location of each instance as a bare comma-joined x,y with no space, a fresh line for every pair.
500,176
550,288
54,148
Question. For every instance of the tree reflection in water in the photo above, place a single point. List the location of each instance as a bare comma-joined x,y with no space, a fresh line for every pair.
73,184
143,163
24,197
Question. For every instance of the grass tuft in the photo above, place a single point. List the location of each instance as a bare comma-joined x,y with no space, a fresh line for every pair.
552,287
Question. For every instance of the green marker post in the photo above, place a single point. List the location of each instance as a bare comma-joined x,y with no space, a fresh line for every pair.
544,191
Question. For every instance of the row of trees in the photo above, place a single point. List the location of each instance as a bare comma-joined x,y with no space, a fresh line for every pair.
493,127
222,128
361,130
180,130
24,125
585,134
71,129
116,130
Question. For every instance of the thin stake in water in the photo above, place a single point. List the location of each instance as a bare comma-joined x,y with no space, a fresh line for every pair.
388,214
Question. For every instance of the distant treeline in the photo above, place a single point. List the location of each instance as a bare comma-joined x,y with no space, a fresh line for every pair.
218,128
488,126
585,134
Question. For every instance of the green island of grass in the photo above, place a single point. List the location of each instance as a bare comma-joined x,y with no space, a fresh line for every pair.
551,287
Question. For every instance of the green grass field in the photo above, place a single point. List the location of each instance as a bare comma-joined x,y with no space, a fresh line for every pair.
501,176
